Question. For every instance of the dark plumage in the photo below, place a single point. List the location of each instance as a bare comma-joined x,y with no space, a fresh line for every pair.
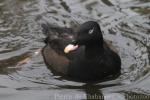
93,61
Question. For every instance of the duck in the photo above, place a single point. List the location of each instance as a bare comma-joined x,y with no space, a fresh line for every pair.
82,56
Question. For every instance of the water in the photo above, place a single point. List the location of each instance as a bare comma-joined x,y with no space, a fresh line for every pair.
124,22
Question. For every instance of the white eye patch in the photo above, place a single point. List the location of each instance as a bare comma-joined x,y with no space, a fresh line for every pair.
91,30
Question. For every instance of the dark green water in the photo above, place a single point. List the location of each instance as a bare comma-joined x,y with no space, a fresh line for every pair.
124,22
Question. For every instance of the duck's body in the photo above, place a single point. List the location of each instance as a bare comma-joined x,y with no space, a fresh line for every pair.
92,61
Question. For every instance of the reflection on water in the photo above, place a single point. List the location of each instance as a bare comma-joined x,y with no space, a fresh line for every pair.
124,22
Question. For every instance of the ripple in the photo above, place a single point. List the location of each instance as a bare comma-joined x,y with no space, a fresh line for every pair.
124,22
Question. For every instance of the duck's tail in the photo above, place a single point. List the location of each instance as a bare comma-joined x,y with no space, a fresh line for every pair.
45,28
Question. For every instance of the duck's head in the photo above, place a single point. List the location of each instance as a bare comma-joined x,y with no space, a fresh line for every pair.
89,33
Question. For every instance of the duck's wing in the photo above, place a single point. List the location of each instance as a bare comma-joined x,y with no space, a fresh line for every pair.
56,62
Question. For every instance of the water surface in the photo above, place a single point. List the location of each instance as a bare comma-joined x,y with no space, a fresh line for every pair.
124,22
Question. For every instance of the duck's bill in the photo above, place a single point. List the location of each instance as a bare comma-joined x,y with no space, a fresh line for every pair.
70,47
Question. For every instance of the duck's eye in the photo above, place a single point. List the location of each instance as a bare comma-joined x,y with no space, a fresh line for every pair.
91,30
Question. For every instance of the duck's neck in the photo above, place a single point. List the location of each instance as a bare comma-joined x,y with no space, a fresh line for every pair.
92,51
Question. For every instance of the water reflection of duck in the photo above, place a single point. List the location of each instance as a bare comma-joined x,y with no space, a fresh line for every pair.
83,56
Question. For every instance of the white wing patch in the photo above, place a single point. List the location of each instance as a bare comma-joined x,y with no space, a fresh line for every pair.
91,31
